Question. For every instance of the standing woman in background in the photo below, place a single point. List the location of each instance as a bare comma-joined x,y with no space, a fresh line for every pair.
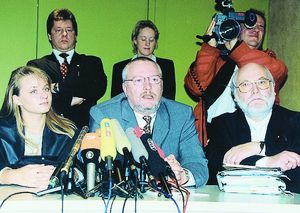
144,39
33,138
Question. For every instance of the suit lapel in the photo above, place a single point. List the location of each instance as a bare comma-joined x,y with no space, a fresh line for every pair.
127,114
275,133
243,133
161,125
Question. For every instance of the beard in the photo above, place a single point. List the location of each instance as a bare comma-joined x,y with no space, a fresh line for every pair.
252,111
146,110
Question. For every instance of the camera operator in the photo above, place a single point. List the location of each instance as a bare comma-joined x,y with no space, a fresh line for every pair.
209,76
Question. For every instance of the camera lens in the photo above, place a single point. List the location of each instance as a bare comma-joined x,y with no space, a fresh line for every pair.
229,29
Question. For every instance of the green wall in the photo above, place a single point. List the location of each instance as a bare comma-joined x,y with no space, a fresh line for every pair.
104,30
283,40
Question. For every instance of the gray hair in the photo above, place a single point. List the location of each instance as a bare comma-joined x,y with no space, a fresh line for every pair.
125,70
234,82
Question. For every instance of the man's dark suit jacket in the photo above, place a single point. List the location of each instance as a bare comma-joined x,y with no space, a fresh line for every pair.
55,147
85,79
168,72
231,129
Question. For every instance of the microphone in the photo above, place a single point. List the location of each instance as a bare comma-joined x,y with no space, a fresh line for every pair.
54,180
158,166
123,146
90,154
68,163
107,146
140,153
122,143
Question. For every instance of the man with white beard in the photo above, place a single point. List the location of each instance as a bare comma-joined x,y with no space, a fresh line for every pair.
259,132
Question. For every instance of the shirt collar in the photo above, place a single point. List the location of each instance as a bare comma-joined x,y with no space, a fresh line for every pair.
263,122
60,59
152,57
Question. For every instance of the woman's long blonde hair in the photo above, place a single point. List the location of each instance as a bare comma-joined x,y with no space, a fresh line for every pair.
54,122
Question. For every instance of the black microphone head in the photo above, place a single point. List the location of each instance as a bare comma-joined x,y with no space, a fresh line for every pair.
157,165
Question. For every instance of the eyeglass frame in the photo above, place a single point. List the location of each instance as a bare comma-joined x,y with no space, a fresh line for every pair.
144,80
252,83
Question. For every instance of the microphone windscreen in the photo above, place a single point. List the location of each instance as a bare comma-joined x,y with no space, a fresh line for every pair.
137,148
107,146
157,165
90,148
121,138
91,140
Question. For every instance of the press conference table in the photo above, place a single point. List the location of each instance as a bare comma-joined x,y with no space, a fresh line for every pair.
205,199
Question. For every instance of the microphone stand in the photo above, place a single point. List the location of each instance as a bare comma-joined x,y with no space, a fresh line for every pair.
165,185
142,179
69,185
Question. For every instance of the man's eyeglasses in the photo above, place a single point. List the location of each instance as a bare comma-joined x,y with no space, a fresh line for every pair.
247,86
61,31
139,80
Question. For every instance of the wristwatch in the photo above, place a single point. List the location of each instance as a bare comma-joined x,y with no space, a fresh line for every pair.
187,176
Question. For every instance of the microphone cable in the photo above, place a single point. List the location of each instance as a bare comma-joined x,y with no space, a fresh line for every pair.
168,196
62,194
109,195
181,190
178,187
17,193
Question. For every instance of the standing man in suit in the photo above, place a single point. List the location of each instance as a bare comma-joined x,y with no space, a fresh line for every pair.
172,124
78,80
260,132
144,39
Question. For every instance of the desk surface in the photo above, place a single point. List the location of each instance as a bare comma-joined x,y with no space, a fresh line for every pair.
205,199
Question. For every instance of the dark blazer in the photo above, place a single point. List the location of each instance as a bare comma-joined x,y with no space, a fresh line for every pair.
232,129
168,72
173,130
55,147
85,79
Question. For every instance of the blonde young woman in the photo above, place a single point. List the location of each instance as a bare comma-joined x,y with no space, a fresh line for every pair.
33,138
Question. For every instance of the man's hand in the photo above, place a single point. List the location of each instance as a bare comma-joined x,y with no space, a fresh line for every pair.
212,42
230,44
77,101
286,160
238,153
177,169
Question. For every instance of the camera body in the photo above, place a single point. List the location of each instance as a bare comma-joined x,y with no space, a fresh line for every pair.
227,25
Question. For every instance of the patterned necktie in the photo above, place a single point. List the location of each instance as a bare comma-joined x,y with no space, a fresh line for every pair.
147,127
64,66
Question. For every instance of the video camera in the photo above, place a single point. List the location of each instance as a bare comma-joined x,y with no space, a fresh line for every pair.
227,25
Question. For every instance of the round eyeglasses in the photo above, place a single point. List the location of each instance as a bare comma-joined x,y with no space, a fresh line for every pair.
247,86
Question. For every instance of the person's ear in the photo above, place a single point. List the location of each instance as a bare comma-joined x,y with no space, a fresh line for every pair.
49,37
124,89
16,100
